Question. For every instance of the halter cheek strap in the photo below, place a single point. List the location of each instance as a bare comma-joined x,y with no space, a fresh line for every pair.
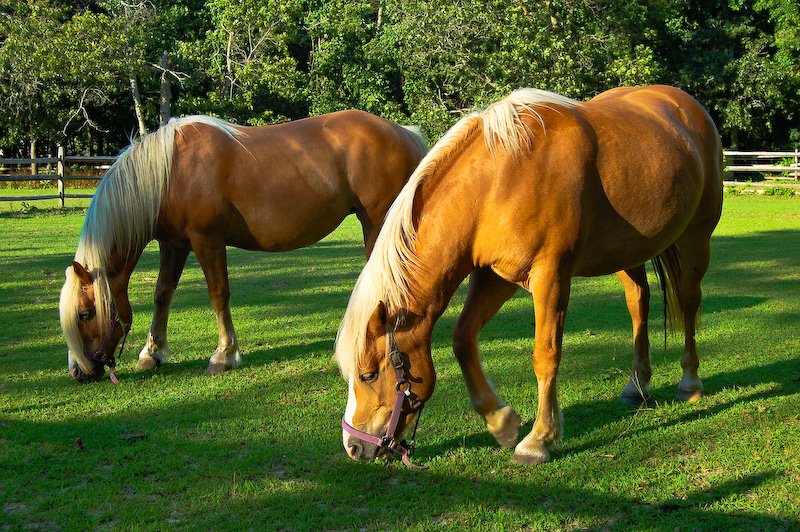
104,358
389,440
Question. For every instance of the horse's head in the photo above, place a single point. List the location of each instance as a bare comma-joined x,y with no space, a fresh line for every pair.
392,379
91,325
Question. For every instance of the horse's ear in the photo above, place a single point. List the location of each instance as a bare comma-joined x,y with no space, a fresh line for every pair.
377,322
82,273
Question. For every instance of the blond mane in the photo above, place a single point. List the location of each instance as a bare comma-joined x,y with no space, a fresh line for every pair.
388,273
122,218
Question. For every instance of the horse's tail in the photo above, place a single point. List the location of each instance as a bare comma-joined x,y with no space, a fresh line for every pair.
667,267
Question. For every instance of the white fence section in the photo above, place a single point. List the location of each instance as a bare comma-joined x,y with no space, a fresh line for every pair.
771,165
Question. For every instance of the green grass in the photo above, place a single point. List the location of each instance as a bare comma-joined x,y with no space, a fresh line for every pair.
261,448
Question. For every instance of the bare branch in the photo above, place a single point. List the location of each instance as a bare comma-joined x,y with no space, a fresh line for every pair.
81,110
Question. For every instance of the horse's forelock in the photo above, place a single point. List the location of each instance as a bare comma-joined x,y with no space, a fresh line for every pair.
68,312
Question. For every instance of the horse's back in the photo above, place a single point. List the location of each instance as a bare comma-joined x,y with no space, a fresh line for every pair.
608,184
285,186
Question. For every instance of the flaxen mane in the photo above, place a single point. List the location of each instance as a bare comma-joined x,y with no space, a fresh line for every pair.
386,277
122,218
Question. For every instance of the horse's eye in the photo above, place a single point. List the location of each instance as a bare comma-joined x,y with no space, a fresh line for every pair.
369,377
86,315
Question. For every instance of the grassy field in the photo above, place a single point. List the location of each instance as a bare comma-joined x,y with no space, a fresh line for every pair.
261,447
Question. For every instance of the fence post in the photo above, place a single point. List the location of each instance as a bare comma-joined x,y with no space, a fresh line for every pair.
60,174
797,164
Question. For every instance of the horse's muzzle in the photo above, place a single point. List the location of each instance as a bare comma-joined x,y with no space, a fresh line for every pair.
358,449
97,373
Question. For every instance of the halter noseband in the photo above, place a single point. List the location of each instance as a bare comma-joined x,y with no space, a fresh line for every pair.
389,440
104,358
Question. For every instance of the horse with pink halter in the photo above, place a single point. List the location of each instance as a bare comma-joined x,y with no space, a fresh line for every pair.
529,193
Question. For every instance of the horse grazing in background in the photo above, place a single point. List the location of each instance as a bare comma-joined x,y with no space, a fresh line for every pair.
531,192
199,184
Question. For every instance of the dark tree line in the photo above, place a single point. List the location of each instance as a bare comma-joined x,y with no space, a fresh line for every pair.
90,74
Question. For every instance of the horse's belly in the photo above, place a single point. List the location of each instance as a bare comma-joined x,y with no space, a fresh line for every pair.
622,247
641,214
282,231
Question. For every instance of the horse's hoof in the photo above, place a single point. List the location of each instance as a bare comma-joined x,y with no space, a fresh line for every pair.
504,426
216,368
147,364
634,399
531,457
689,396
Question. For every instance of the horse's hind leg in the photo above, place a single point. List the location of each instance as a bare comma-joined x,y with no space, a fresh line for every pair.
637,297
695,253
155,350
370,227
212,256
487,293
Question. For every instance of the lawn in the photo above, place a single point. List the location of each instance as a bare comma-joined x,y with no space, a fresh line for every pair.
261,447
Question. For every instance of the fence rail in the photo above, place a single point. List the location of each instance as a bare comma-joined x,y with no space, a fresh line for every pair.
777,164
772,166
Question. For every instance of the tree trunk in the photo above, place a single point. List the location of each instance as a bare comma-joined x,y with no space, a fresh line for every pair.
551,10
34,166
165,91
137,106
228,82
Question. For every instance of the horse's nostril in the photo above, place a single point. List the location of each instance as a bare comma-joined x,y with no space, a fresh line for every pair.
354,451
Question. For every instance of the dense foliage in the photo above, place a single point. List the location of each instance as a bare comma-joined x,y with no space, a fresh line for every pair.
92,73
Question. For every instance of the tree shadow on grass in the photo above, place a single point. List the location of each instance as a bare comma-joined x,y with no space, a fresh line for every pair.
222,462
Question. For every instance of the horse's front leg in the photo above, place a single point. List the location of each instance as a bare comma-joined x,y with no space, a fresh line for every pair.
212,256
487,293
156,349
550,287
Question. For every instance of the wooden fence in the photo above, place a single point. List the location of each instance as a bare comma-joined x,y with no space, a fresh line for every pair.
60,163
772,166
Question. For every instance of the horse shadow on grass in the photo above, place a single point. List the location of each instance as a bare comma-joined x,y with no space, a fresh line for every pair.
584,418
255,358
270,452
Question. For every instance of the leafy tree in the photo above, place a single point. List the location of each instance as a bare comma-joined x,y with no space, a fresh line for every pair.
739,60
462,53
85,71
351,61
250,62
26,72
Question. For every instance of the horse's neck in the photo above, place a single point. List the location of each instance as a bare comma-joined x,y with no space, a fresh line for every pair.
443,258
119,269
